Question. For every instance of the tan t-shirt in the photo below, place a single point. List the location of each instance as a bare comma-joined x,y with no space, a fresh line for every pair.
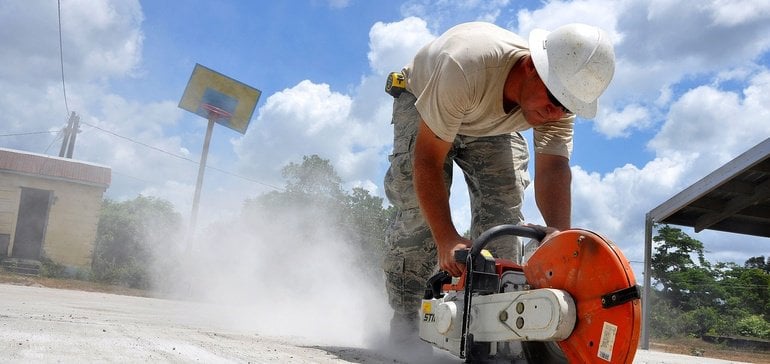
458,80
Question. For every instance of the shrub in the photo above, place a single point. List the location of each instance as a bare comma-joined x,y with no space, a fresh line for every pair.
754,326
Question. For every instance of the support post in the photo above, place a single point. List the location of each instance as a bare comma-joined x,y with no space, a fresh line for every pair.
65,143
648,222
73,134
199,184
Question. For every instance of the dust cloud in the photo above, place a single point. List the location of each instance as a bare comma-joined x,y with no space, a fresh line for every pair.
289,275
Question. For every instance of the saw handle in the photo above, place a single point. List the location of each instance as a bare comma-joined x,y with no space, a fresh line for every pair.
504,230
433,289
501,230
461,255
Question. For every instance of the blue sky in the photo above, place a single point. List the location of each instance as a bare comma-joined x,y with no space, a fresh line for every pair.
691,92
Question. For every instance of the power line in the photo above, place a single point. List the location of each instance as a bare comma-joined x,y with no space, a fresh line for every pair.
140,143
66,105
27,133
130,176
182,157
61,60
58,134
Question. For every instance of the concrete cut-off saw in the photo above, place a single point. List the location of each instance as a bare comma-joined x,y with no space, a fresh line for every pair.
574,300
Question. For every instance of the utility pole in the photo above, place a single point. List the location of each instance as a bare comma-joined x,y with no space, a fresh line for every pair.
70,134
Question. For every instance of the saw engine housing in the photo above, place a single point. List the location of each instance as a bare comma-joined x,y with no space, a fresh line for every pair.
575,300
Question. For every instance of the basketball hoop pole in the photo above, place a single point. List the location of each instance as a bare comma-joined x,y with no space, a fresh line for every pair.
219,99
199,183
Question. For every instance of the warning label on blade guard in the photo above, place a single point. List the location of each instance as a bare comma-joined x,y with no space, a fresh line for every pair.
608,341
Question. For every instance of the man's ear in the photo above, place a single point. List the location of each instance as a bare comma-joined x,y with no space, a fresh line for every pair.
529,65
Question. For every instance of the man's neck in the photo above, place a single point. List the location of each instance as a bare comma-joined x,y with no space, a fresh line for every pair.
513,84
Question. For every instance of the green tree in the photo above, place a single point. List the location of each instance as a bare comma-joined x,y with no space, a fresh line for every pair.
315,176
314,196
665,320
128,235
747,287
754,326
701,320
758,263
366,221
311,186
684,284
696,298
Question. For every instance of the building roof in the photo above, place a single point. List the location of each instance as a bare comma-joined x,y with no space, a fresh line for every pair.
734,198
21,162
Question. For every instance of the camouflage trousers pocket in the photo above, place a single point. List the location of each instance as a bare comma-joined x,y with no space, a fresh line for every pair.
394,279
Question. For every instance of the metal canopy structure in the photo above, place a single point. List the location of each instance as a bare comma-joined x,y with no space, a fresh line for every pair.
734,198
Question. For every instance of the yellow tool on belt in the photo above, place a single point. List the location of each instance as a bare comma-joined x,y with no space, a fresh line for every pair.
396,84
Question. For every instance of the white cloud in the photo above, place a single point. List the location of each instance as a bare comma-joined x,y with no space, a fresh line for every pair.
306,119
460,202
716,124
739,74
695,72
311,119
612,203
663,31
443,14
701,129
655,44
391,45
352,131
107,35
617,124
101,40
118,132
732,12
600,13
705,128
616,203
664,97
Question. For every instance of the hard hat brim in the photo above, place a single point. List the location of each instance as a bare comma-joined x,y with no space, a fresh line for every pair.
539,52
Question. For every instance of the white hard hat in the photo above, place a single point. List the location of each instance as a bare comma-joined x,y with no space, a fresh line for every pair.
576,62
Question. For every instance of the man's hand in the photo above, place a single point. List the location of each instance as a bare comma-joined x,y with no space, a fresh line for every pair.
531,246
549,231
446,255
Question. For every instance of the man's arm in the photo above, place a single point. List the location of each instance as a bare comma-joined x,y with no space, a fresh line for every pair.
552,190
428,165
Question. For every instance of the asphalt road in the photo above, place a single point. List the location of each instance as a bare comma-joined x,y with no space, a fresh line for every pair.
45,325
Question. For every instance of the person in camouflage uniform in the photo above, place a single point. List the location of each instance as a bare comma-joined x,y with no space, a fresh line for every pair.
469,94
496,198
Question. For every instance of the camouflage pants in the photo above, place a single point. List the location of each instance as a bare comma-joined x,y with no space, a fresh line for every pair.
495,170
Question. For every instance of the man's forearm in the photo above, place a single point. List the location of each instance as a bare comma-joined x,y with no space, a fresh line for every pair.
430,153
434,201
552,191
428,168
